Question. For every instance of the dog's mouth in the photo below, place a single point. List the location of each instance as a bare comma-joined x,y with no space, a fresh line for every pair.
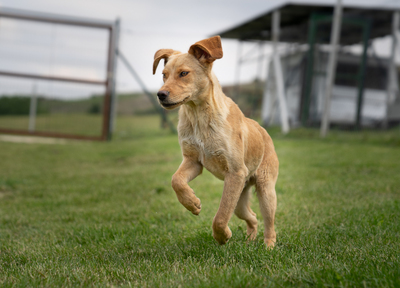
173,105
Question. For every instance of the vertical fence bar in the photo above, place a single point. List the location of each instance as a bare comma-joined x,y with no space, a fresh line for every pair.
312,30
114,96
335,38
237,72
268,102
280,88
33,110
392,82
259,87
361,76
106,135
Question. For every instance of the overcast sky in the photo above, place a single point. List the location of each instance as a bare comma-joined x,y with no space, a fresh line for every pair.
146,26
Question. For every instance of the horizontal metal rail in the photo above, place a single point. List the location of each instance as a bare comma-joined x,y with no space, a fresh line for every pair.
54,18
54,78
52,134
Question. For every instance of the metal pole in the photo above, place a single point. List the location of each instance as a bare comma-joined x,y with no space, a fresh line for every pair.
43,77
335,38
105,134
309,76
33,110
267,101
259,88
113,109
237,72
278,73
361,75
392,85
260,58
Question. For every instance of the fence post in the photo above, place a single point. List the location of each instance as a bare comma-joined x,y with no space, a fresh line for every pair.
33,110
335,38
113,100
278,72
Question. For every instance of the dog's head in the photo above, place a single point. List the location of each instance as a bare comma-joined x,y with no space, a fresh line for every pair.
186,75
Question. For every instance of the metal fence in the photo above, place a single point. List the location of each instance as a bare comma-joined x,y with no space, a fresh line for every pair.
57,75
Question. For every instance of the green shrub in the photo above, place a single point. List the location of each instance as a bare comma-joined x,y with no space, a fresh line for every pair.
19,105
94,109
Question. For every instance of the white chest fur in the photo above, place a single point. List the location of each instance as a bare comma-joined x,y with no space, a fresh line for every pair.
212,153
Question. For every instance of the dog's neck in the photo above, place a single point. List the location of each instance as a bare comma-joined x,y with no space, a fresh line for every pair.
210,111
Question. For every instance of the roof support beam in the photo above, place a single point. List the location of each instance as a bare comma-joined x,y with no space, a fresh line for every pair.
335,38
237,72
280,88
361,74
392,85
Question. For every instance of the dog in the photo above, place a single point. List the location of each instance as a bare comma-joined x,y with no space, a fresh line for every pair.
213,133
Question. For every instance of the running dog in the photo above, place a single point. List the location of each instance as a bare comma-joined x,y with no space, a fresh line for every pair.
214,133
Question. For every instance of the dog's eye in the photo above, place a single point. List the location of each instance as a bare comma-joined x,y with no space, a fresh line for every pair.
183,74
163,75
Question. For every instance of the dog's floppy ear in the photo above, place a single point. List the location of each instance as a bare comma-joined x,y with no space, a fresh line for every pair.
162,54
207,50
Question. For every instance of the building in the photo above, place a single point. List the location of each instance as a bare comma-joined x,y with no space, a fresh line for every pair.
365,90
374,111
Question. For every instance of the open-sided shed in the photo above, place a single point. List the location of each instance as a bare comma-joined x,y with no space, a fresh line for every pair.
308,27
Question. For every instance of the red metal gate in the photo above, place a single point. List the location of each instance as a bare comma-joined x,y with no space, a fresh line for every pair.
108,83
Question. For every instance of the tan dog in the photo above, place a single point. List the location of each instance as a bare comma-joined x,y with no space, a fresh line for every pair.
214,133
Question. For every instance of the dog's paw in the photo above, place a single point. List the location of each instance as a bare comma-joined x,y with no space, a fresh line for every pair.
190,202
252,229
222,236
196,207
270,242
251,234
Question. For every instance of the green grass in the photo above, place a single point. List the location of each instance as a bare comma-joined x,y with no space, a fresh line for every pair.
104,214
88,124
75,124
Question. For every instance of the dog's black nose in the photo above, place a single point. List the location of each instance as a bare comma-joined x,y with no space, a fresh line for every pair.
162,94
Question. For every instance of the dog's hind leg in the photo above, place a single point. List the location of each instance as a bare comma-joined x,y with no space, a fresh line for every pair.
186,172
244,212
266,194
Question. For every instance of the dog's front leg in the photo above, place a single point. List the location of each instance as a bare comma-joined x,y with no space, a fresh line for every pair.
186,172
233,187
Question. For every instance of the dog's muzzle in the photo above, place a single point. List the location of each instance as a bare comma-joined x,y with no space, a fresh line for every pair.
162,96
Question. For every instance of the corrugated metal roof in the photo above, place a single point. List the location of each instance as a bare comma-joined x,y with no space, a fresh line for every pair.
295,17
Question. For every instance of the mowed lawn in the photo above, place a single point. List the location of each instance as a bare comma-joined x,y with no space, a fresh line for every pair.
75,124
104,214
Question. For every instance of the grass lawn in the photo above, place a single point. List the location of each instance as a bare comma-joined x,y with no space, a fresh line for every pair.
104,214
75,124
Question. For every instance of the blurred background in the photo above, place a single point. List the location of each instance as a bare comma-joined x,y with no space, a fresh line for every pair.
73,68
104,214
